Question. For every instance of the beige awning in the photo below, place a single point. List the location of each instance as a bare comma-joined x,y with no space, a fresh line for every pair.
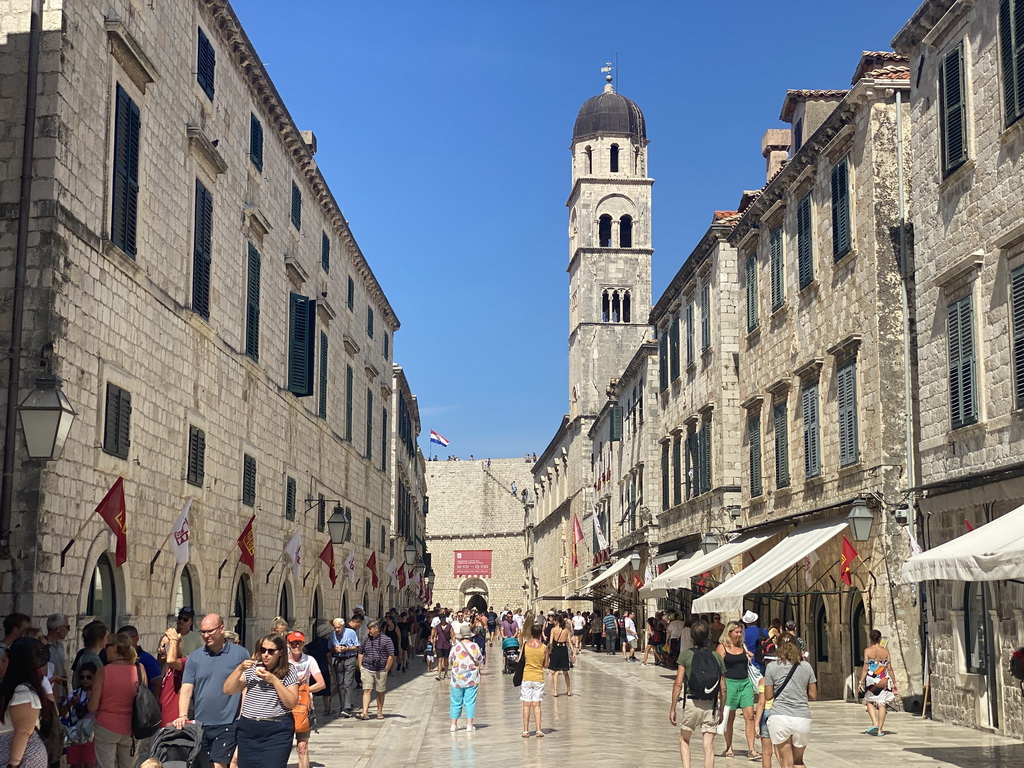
618,566
678,576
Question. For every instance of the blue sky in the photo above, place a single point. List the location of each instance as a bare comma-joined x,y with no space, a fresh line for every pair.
444,130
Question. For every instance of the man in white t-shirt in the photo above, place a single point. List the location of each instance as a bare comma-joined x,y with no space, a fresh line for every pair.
578,623
629,625
518,618
675,633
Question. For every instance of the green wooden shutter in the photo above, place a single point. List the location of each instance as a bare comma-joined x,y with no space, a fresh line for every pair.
296,206
348,403
677,472
689,333
248,480
206,64
351,294
1017,302
256,142
705,456
962,363
754,439
325,252
117,421
1011,49
196,457
781,445
666,480
662,359
202,251
252,305
673,348
812,431
322,405
384,440
369,424
125,202
289,499
775,251
301,335
804,242
692,465
369,322
387,346
849,440
705,316
841,242
615,423
752,309
953,110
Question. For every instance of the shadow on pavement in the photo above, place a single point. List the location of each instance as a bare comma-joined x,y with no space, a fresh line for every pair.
993,756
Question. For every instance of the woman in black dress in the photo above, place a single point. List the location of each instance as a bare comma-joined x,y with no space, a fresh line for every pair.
391,630
402,649
559,661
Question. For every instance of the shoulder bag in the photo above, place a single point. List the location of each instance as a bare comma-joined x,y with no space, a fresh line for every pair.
146,713
777,691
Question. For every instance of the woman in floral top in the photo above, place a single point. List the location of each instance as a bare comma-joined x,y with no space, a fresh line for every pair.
464,661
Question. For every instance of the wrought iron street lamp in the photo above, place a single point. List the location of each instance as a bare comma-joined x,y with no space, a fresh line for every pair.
860,519
410,554
46,416
634,561
709,543
339,524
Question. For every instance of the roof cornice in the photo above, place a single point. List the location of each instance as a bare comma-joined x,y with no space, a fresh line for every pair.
716,233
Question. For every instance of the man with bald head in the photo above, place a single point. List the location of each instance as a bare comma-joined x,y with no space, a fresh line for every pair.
202,685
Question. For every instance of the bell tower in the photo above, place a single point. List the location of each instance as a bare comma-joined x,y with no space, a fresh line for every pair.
609,246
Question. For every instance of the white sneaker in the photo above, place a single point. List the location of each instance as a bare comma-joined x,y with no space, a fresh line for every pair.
453,728
470,727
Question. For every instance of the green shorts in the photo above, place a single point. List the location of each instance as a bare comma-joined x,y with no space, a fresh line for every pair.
739,694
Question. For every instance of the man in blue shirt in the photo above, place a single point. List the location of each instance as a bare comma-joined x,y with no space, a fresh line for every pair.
752,638
611,632
205,673
345,647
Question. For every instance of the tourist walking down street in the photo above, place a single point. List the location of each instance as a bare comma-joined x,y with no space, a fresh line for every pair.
265,729
113,692
203,680
701,674
739,690
789,683
310,680
559,662
344,642
611,632
21,704
441,639
876,677
531,691
376,657
630,636
464,660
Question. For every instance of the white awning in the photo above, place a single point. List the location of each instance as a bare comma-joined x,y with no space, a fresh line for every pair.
617,566
682,571
728,596
990,552
655,588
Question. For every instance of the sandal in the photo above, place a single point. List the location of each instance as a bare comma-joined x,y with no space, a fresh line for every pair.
380,717
754,756
728,753
526,734
540,734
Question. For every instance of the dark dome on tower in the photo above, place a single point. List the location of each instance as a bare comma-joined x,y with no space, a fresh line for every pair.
609,113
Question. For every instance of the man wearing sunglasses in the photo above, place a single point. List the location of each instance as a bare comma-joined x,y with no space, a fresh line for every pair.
203,681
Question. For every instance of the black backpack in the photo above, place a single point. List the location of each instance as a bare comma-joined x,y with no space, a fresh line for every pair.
178,748
764,646
146,713
703,676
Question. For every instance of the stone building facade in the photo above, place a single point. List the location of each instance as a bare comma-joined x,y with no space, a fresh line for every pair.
967,97
478,506
408,483
219,331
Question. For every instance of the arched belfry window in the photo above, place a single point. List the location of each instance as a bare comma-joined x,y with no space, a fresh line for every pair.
626,232
626,309
605,308
604,231
590,159
613,159
616,307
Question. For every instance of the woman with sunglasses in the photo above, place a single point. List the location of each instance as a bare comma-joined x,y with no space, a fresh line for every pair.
265,729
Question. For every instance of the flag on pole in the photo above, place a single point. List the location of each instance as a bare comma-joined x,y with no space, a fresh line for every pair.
328,557
577,536
179,534
809,563
371,564
350,566
915,547
392,571
294,551
401,576
637,581
602,542
436,438
113,512
849,553
649,572
247,543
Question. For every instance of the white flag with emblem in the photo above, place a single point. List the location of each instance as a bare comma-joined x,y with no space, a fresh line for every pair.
294,551
180,534
392,571
350,566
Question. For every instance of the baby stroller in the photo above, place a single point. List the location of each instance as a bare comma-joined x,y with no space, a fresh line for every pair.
178,748
510,651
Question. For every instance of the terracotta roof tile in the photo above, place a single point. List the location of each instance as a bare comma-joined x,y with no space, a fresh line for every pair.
795,96
872,62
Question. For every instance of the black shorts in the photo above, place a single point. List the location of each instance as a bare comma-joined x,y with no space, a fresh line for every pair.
578,632
219,742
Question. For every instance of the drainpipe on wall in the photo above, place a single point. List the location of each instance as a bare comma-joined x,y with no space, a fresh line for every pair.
20,266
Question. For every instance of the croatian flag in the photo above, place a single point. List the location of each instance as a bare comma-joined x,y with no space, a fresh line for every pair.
436,438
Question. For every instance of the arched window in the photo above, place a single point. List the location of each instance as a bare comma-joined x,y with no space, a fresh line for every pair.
626,232
103,594
820,630
186,594
859,632
284,604
626,309
605,307
616,308
975,627
590,159
314,613
243,605
604,231
613,159
380,605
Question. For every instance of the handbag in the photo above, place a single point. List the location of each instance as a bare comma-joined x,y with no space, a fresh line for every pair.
754,675
517,676
146,713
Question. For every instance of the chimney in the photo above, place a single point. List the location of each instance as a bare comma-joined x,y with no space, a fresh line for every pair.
775,149
310,140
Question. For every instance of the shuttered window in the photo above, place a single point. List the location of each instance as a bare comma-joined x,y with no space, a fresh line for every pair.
196,456
351,299
384,440
692,453
369,424
953,110
367,534
754,440
256,142
804,242
206,64
248,480
117,421
387,346
753,320
369,322
125,199
202,250
348,402
1017,309
812,430
615,423
673,348
775,252
663,360
289,498
1011,49
841,235
301,335
252,304
963,385
677,472
705,316
322,404
296,206
704,457
666,480
325,252
781,445
846,398
689,334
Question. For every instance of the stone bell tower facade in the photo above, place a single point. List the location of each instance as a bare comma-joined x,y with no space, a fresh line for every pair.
609,246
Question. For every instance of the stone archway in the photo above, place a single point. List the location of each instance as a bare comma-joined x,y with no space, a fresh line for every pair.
474,594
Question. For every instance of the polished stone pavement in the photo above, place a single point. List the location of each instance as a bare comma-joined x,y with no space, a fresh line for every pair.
617,716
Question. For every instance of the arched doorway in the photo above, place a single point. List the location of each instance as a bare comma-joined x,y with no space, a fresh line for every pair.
344,608
474,594
314,616
243,608
102,603
858,631
185,595
284,604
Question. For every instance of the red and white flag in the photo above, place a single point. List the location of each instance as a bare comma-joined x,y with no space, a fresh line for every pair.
371,564
179,534
350,566
328,557
294,551
401,576
113,512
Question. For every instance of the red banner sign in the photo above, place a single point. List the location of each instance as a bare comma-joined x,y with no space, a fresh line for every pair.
473,562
